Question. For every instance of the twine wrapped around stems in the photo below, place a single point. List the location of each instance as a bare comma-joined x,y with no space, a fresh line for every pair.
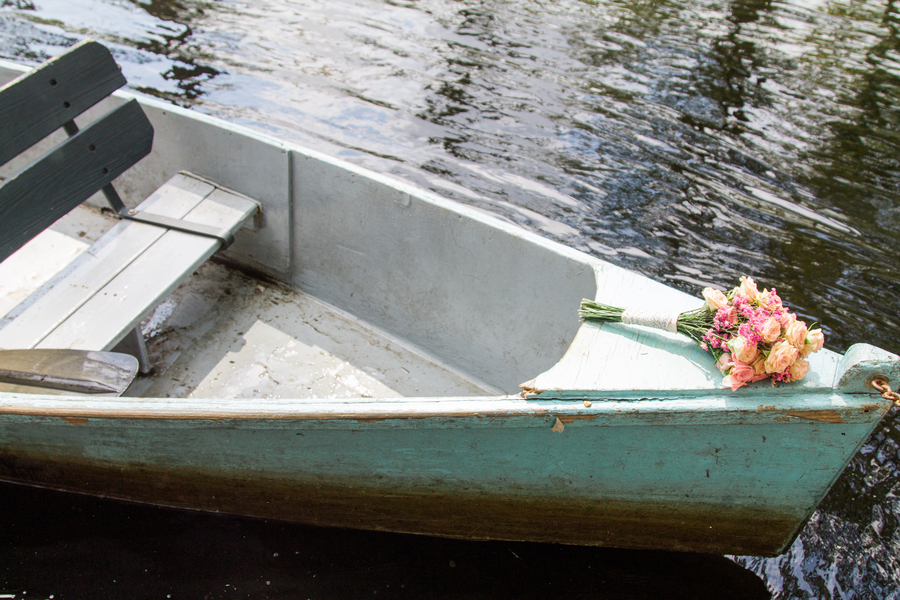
693,323
656,320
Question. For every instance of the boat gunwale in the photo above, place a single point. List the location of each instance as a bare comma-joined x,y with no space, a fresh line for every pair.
686,408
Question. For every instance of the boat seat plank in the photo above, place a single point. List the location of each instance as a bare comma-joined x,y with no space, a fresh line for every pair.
99,299
133,293
105,293
614,357
46,308
621,358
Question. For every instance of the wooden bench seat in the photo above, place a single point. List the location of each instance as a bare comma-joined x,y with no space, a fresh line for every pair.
102,296
98,301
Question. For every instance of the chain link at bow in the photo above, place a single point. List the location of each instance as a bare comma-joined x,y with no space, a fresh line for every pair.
881,385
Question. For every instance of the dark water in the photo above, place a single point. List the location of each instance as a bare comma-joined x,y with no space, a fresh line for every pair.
691,141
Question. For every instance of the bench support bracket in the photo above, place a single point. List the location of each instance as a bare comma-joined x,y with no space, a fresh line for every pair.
225,237
133,343
115,201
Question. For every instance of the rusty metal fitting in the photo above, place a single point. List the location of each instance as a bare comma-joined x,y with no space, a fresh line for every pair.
880,383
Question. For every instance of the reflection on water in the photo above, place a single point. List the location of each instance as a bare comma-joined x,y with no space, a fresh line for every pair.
691,141
174,41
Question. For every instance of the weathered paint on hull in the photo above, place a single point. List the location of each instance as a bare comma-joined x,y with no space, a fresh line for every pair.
741,481
461,514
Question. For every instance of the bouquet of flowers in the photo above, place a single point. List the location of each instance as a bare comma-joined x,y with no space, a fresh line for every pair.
749,332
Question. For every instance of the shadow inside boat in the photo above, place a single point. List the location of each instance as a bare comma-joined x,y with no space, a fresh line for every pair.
63,545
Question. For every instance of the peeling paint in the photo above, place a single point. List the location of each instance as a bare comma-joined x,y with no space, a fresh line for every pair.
572,418
74,420
528,391
823,416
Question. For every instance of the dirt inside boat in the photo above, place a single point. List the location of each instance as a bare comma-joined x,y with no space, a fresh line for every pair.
228,333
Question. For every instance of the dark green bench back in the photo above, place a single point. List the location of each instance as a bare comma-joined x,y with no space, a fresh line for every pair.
39,103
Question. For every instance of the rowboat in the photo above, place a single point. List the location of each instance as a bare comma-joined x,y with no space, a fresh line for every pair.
371,355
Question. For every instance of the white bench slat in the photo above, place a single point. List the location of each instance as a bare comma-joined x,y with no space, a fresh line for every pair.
30,322
105,293
109,315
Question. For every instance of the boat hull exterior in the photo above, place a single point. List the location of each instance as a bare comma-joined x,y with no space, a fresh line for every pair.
673,475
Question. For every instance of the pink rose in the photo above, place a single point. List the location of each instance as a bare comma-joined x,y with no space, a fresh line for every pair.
796,334
816,339
743,349
742,371
734,384
715,300
799,370
724,363
770,330
741,374
782,356
770,300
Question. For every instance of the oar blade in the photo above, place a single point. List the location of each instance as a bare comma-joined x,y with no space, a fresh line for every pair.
58,372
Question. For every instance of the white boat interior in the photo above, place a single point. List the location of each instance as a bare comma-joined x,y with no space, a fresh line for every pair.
225,334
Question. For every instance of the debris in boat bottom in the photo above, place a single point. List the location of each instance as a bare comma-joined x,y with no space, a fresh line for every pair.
558,426
245,343
587,403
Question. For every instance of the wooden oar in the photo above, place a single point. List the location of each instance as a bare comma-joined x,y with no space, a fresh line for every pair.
79,371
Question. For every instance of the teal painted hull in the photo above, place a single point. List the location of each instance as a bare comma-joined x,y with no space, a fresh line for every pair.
709,474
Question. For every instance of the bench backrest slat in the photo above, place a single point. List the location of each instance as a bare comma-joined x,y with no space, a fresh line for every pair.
38,103
34,198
